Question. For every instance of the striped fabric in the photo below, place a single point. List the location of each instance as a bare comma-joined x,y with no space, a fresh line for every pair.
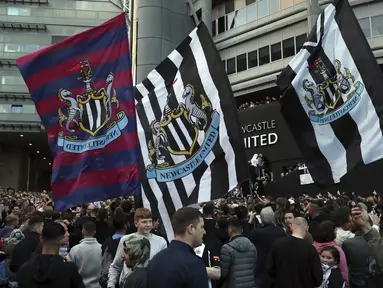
82,89
189,134
332,98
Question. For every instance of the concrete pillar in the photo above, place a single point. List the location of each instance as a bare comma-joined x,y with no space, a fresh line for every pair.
313,11
12,168
206,14
161,26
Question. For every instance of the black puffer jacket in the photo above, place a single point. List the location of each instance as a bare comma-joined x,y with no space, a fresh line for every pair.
238,258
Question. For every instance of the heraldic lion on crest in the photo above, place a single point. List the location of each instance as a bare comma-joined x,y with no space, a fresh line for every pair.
91,110
195,114
325,101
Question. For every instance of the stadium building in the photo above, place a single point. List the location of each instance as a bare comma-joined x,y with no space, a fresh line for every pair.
256,40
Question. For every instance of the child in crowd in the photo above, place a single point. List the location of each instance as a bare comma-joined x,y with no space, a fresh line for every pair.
332,276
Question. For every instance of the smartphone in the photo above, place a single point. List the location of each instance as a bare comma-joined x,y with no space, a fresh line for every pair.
354,199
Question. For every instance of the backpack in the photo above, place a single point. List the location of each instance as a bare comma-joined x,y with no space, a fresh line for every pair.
109,250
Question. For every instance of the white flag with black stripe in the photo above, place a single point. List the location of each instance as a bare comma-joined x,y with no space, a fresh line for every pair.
332,98
191,144
304,175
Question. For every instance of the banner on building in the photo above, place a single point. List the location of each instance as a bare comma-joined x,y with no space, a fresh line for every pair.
191,142
82,89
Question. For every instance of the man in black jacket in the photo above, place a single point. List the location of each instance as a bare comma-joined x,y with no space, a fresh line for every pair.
263,239
293,262
49,270
178,265
24,250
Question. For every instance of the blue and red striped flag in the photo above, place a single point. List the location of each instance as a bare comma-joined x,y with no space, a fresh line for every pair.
82,89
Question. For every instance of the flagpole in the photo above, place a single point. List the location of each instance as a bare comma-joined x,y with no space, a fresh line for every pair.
193,12
313,11
206,14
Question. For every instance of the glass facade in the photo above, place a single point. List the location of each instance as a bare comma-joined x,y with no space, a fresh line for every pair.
17,109
377,25
252,11
265,55
372,26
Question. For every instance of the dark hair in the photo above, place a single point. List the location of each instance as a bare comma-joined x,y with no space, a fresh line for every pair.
35,220
127,206
113,206
235,225
48,214
52,233
281,202
241,212
343,200
223,222
334,252
89,227
341,216
11,219
67,215
286,211
56,216
325,232
183,218
225,208
208,209
119,222
155,217
102,214
258,208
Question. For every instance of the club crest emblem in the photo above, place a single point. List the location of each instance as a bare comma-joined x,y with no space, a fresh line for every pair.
174,153
332,94
88,113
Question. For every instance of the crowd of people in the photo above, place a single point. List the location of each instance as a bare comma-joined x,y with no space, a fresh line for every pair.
286,170
251,104
325,241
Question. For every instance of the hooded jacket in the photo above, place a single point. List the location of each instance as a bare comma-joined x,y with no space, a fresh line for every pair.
49,271
238,258
375,242
343,262
364,272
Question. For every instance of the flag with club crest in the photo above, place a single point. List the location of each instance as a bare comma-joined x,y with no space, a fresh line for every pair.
82,89
191,143
332,98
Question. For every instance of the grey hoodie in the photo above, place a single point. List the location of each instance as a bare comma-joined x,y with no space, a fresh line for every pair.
238,258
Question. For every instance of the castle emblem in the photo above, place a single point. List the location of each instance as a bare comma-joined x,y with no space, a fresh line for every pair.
200,124
89,112
332,94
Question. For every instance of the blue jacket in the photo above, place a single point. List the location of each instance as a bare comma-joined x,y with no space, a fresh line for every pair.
177,266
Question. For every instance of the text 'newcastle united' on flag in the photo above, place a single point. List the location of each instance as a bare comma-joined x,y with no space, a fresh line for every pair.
191,144
82,89
332,98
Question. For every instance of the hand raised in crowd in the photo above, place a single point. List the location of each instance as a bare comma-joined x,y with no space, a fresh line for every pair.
361,219
376,220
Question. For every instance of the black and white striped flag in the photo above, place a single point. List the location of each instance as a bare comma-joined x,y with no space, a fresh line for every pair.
191,144
332,98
